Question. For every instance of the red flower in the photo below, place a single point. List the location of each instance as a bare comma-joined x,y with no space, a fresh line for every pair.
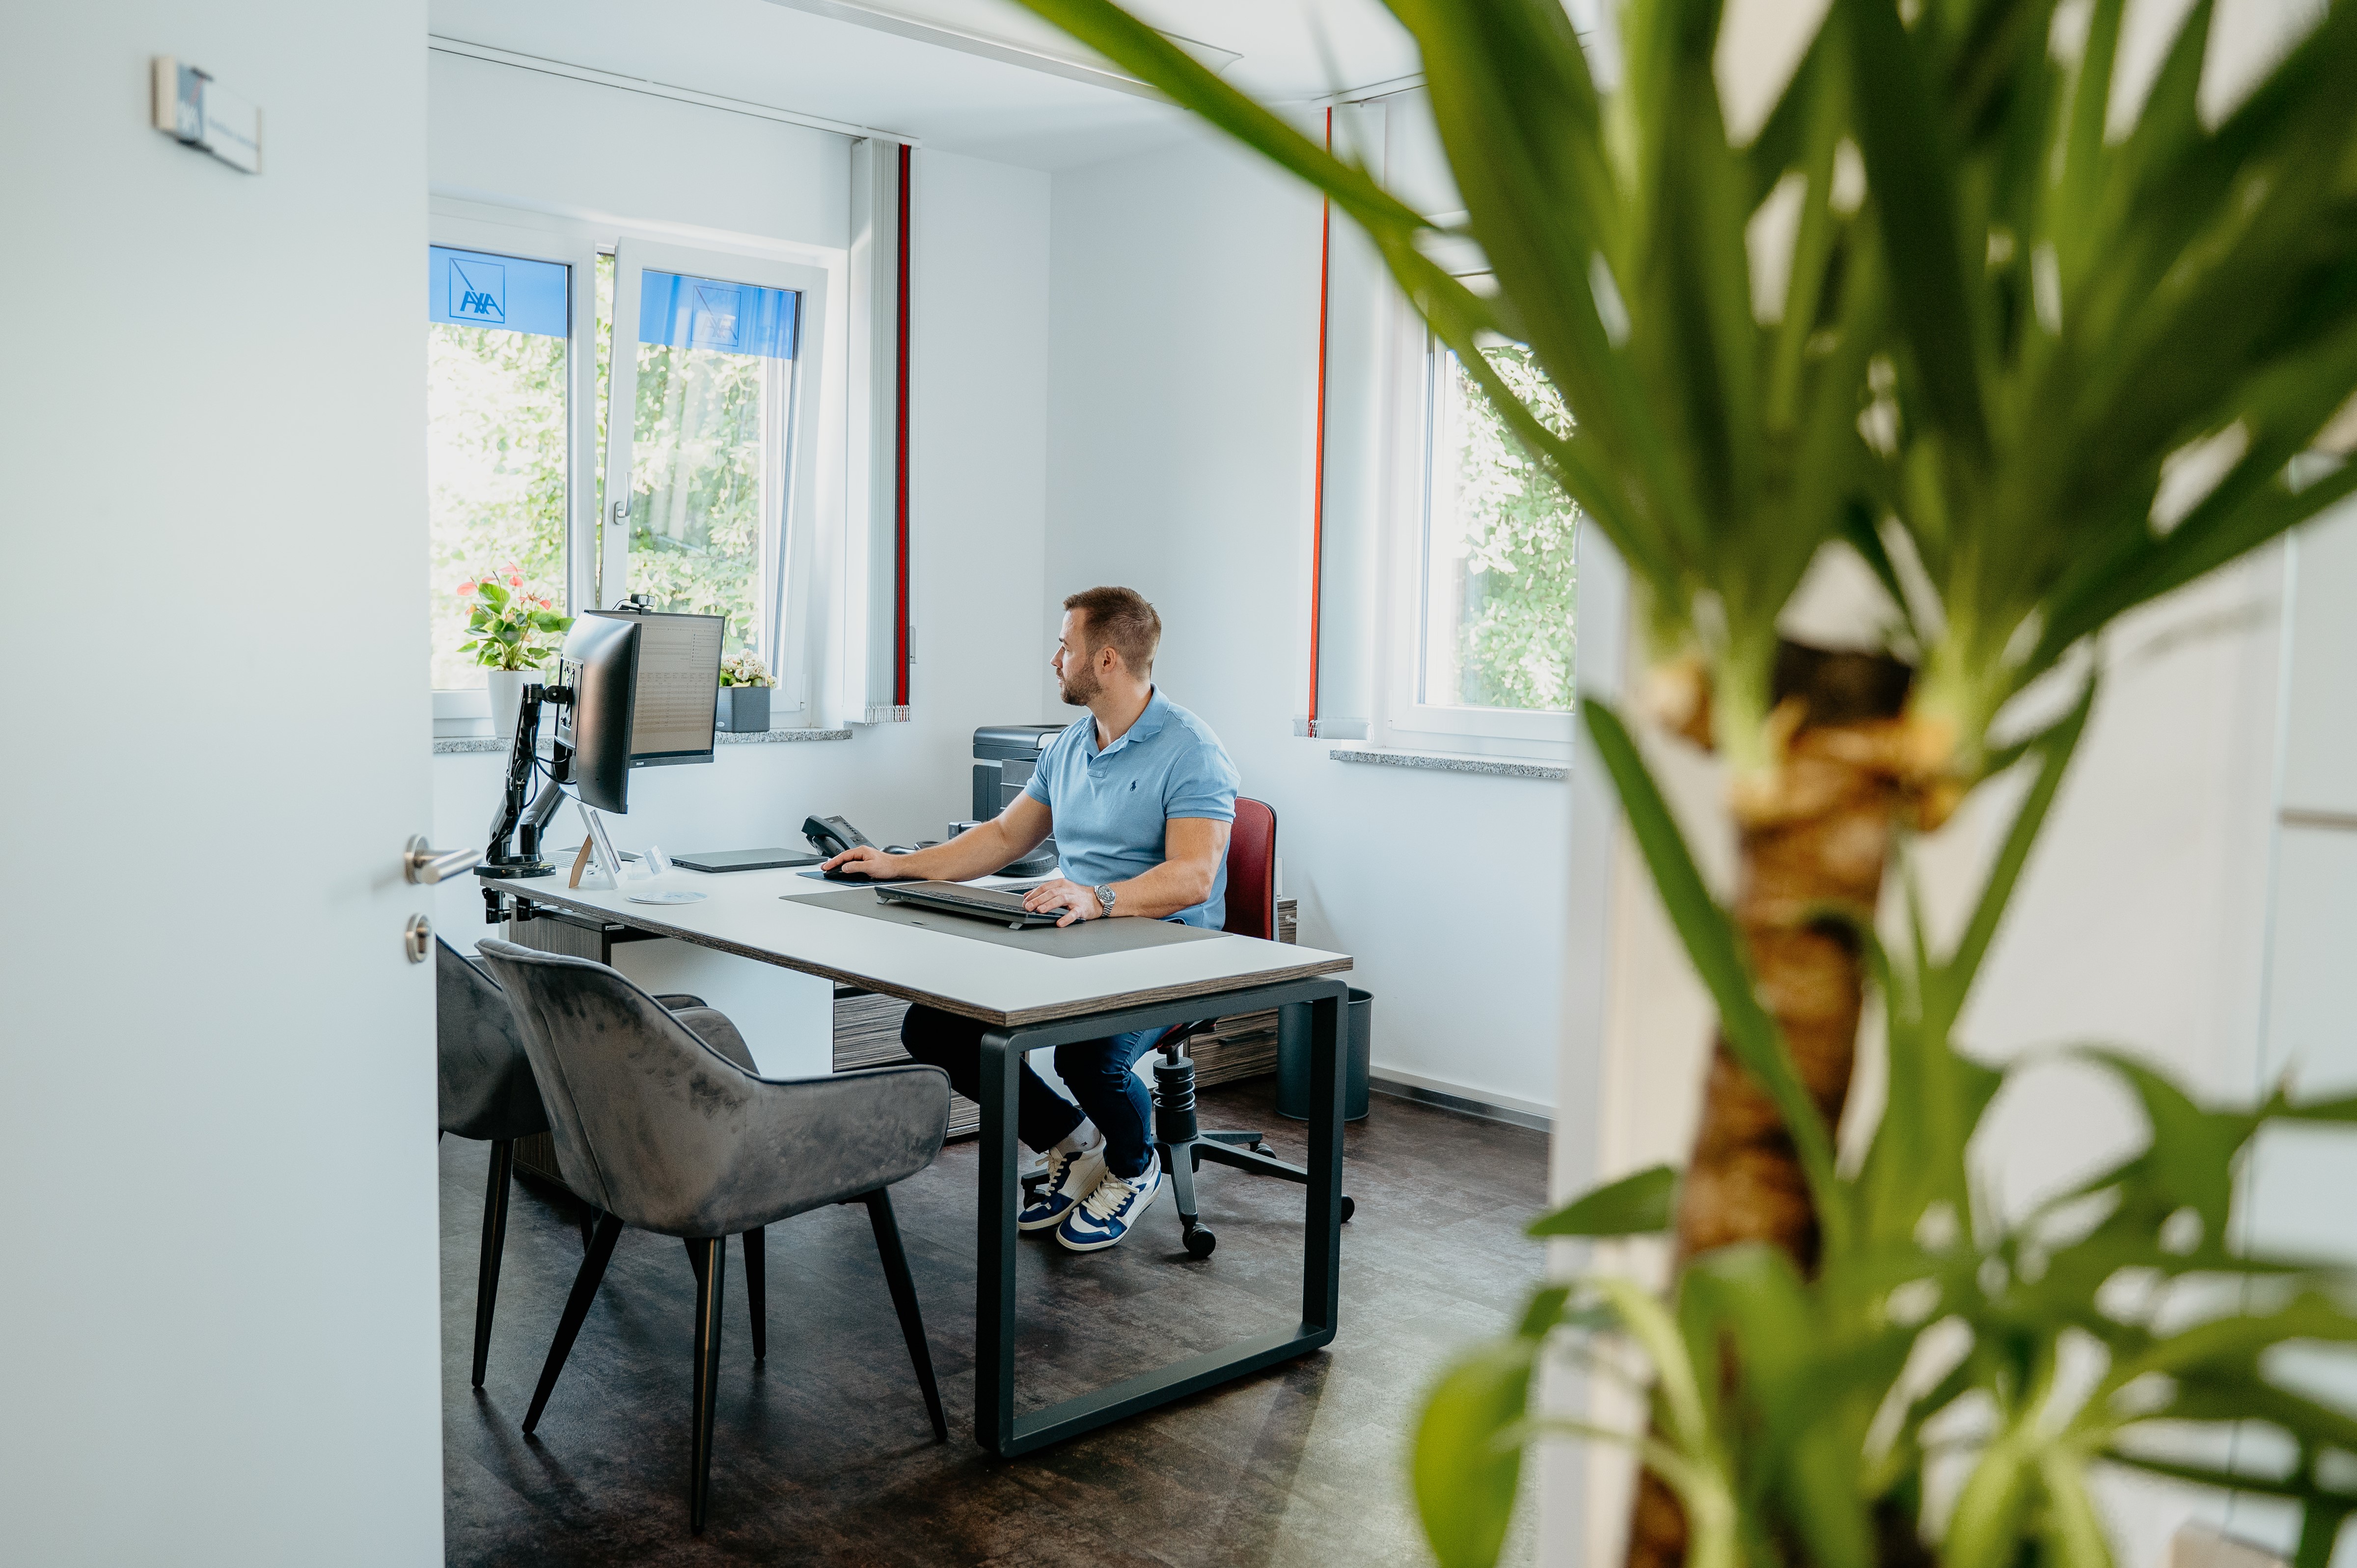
466,587
515,582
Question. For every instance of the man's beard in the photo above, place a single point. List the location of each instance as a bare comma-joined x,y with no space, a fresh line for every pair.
1075,694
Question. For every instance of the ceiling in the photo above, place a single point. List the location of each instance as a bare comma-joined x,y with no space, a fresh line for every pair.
983,78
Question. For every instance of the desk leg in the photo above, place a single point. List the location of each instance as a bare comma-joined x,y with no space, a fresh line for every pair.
1321,1262
994,1316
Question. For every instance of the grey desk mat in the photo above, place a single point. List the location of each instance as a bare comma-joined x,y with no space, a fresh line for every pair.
1087,939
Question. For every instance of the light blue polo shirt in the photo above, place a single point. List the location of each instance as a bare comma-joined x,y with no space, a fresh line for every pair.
1110,806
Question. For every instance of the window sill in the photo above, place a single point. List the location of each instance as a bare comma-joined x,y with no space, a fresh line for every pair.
1454,762
484,745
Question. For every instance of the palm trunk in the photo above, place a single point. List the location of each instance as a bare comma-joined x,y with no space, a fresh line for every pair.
1819,836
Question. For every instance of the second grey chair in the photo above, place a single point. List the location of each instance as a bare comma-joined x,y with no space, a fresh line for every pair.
486,1091
662,1131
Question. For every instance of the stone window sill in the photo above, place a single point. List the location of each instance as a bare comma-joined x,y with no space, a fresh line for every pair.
484,745
1454,762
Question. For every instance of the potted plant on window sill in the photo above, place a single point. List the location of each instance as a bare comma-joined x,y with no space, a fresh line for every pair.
745,686
509,634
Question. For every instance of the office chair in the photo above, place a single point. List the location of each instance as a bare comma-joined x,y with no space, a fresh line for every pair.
487,1092
663,1129
1252,912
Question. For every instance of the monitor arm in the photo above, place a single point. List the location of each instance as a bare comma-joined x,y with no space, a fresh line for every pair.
512,818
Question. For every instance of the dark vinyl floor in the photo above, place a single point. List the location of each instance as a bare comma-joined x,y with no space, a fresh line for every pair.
823,1453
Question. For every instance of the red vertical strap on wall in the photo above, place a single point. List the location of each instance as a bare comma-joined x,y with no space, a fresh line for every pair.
1317,498
900,459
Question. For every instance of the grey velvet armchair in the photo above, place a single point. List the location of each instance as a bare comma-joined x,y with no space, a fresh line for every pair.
487,1092
655,1124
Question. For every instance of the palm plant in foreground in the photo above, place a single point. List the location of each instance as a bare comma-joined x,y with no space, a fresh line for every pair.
2036,370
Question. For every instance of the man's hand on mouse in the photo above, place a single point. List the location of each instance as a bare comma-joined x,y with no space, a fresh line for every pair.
866,860
1079,903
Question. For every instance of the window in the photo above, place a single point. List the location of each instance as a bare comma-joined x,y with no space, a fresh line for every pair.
497,442
704,470
713,488
707,488
1481,545
1496,558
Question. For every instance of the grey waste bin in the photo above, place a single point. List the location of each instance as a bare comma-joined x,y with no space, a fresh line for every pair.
1292,1059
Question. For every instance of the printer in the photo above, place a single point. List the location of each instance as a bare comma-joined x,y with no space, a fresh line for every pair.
1004,757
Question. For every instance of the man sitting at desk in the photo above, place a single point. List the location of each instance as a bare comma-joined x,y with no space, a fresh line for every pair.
1140,796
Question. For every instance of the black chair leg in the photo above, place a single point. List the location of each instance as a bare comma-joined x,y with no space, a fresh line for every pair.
711,1285
756,1297
495,1235
904,1301
589,1219
576,1308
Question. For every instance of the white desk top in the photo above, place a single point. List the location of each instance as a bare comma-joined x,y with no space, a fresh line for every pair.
749,913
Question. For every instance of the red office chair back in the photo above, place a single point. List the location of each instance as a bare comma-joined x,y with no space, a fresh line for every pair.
1252,871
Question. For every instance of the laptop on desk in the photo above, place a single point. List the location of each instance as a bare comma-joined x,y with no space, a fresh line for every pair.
745,859
1002,905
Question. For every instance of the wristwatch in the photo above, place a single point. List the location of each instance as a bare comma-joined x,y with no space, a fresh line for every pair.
1104,901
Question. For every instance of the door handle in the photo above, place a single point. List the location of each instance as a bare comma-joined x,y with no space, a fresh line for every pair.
418,938
420,862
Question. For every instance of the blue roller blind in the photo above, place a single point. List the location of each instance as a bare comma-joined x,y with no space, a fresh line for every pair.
706,313
475,288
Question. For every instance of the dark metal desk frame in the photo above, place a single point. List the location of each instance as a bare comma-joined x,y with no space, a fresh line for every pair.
995,1426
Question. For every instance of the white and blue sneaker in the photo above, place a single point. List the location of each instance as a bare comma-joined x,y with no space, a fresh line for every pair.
1111,1211
1071,1177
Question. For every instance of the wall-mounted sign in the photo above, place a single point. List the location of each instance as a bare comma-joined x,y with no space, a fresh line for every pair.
191,107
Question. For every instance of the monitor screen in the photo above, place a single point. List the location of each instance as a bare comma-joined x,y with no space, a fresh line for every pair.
678,692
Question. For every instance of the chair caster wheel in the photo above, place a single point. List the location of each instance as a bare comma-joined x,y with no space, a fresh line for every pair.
1349,1208
1199,1242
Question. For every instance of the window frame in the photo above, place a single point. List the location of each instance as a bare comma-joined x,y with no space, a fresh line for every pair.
820,448
578,255
1404,720
785,599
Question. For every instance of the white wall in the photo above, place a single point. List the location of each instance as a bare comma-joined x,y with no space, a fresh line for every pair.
219,1338
1183,352
978,390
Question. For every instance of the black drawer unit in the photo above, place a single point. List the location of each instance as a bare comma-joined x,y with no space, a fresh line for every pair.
1004,756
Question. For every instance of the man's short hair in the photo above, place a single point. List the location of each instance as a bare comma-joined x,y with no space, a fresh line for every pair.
1121,618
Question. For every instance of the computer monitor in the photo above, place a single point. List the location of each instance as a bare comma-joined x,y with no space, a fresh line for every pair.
600,663
678,686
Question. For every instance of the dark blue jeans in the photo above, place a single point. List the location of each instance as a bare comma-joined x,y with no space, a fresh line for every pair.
1096,1071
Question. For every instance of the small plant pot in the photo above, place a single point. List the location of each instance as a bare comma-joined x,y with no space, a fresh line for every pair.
507,698
744,709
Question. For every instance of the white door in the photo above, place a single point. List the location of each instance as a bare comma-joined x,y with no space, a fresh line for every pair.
219,1333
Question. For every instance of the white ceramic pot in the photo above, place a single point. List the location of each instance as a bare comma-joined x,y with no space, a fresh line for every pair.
507,699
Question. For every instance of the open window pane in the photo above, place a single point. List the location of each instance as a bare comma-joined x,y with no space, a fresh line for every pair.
710,438
496,446
1497,559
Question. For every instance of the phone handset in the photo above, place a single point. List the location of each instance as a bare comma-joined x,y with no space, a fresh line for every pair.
832,836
